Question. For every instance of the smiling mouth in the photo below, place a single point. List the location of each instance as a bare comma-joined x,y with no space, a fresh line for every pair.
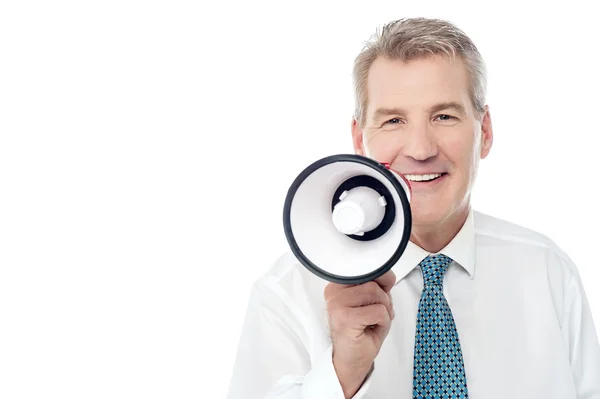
424,178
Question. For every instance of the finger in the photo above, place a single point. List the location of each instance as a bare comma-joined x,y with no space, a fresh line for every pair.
369,315
364,295
387,281
380,330
332,289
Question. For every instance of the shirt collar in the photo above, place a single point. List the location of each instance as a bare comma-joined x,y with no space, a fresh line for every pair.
461,250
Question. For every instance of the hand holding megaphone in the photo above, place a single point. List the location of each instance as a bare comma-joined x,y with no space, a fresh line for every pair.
347,218
359,318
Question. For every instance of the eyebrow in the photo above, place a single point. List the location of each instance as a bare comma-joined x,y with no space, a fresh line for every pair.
383,112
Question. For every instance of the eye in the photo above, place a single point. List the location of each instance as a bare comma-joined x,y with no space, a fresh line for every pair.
393,121
445,117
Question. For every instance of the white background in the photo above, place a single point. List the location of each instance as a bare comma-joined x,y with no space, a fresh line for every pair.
146,149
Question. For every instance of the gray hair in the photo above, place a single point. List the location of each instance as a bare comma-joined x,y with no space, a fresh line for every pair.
411,38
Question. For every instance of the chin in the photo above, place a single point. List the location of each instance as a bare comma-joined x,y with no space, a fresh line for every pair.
427,215
426,219
425,206
432,212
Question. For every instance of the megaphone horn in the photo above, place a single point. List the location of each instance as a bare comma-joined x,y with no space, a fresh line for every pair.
347,218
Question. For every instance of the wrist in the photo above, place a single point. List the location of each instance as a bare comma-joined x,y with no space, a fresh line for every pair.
351,377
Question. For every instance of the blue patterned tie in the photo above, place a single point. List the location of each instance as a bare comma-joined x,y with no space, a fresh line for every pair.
438,363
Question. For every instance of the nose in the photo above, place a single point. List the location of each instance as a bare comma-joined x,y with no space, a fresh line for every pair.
420,144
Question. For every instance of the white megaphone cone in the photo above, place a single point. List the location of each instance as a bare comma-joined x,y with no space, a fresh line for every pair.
347,218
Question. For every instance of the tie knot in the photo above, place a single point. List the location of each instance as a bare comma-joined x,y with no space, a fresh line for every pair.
433,268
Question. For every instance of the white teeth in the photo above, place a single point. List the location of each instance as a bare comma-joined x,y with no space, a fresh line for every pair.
422,177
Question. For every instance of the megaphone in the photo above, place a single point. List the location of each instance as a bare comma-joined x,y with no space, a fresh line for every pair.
347,218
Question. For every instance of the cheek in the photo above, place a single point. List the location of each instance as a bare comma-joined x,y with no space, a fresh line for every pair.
460,150
382,146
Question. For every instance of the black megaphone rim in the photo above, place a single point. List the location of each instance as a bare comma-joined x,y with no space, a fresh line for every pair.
303,259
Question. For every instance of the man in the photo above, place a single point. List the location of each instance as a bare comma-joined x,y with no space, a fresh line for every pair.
476,307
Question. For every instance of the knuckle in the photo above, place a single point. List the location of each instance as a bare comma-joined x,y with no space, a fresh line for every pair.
386,299
363,312
328,291
343,317
379,297
376,292
357,290
382,311
367,290
392,274
371,286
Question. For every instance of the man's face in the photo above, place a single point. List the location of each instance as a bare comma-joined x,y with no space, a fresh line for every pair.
420,119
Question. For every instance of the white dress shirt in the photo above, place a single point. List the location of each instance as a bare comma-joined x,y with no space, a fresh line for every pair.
522,315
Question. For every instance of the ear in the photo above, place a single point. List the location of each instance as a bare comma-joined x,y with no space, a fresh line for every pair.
357,138
487,133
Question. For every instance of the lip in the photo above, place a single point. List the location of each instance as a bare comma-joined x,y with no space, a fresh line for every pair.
427,184
423,173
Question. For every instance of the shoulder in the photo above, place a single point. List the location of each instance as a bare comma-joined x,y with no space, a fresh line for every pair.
287,280
563,277
285,267
502,232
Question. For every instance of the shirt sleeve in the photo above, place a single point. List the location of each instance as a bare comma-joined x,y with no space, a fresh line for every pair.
578,328
273,358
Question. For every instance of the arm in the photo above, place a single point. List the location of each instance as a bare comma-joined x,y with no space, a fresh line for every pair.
581,335
274,353
578,329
